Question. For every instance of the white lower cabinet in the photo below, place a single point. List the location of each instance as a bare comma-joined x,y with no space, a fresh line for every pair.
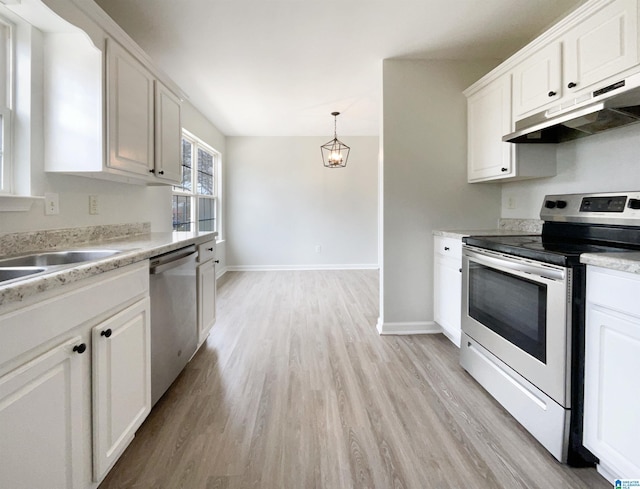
43,420
206,273
612,363
121,383
70,356
447,286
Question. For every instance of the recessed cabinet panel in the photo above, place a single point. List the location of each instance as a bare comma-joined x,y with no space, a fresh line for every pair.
603,45
41,421
489,118
130,114
168,135
537,80
206,299
121,383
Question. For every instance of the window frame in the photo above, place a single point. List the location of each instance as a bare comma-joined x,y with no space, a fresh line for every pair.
193,195
8,45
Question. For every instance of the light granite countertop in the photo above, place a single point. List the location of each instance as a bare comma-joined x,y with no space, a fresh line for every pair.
134,249
459,234
624,261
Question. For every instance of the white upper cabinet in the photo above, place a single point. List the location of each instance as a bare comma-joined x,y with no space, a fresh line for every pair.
108,112
168,135
537,80
489,117
602,45
130,103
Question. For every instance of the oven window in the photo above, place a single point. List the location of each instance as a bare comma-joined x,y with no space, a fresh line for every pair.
513,307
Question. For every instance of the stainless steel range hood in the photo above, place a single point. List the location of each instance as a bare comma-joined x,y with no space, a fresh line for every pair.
613,106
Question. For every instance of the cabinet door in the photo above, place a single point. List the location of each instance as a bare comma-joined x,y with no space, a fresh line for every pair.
42,421
448,296
611,428
129,112
206,299
168,136
121,383
602,46
537,80
489,118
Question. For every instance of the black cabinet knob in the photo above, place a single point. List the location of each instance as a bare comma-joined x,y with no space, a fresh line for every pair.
81,348
552,93
209,249
504,170
460,270
152,171
106,333
216,261
572,85
446,248
161,172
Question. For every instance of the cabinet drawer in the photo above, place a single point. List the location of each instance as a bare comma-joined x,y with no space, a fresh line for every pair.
206,251
451,247
613,289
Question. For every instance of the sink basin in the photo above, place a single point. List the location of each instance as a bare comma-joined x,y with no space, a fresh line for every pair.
52,258
13,273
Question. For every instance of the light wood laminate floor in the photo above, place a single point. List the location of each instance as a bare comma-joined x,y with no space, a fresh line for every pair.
295,389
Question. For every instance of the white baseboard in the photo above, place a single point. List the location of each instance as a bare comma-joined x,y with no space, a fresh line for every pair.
276,268
416,327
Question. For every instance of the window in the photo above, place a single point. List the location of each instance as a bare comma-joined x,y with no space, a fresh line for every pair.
6,57
195,201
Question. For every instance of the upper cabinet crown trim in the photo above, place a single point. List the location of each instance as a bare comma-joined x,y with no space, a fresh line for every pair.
558,29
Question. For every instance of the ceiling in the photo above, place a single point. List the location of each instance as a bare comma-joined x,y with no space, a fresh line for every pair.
280,67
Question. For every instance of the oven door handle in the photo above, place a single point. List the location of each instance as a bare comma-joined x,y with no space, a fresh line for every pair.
510,265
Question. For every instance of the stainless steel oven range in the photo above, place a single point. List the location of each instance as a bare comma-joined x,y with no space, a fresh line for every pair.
523,313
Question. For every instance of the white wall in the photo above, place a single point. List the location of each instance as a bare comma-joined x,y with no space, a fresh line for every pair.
605,162
425,181
282,203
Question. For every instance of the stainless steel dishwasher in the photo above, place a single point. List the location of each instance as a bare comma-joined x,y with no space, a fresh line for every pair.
174,333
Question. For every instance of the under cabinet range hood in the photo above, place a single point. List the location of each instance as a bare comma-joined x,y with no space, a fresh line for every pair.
613,106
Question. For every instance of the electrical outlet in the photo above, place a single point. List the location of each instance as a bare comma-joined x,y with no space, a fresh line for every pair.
51,204
318,248
93,205
511,202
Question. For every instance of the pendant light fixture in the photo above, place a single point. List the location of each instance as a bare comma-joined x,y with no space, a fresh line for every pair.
335,153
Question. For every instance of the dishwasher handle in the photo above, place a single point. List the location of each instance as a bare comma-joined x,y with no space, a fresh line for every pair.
162,263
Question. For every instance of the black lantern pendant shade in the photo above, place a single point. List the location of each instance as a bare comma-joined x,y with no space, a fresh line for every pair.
335,153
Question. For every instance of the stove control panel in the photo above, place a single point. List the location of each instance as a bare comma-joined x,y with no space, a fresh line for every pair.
603,204
614,208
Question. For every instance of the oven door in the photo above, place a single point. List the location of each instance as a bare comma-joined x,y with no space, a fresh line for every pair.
518,310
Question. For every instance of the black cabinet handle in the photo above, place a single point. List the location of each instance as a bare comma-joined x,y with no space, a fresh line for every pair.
216,261
552,93
504,170
152,171
81,348
572,85
446,248
209,249
460,270
106,333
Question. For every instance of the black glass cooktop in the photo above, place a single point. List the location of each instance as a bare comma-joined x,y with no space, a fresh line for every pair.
547,250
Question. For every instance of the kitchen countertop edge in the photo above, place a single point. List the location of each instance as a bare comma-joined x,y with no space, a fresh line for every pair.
625,261
134,249
459,234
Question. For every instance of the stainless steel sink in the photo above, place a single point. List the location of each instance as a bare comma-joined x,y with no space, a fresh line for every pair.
18,272
52,258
